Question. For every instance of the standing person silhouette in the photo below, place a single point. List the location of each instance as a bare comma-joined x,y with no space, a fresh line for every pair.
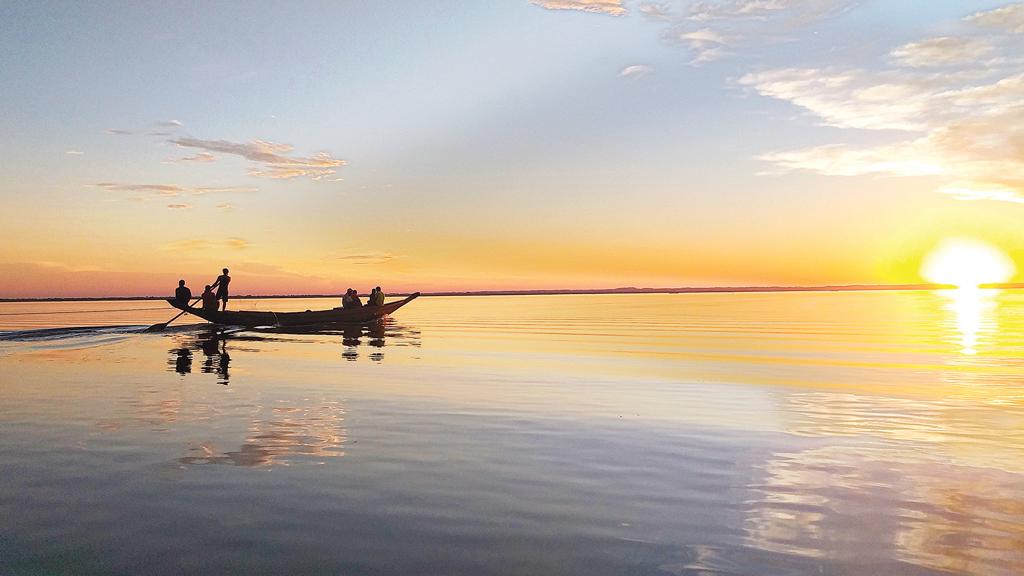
222,287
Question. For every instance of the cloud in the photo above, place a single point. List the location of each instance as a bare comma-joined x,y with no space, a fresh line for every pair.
974,191
171,123
610,7
200,157
963,129
850,98
706,44
272,157
1009,18
374,258
655,10
703,11
179,206
941,51
74,152
713,30
119,132
171,189
636,71
202,244
226,206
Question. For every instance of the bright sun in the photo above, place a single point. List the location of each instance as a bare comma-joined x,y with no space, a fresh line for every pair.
966,263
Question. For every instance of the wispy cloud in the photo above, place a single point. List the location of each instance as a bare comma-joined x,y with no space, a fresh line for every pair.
171,189
74,152
171,123
636,71
200,157
179,206
611,7
655,10
226,206
119,132
272,158
370,258
202,244
1009,18
941,51
961,125
706,44
712,30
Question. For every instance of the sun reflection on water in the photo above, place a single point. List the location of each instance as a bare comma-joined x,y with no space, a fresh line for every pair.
973,310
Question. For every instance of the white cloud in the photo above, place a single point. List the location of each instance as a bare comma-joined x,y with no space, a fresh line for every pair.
941,51
965,130
171,123
1009,18
636,71
611,7
706,44
74,152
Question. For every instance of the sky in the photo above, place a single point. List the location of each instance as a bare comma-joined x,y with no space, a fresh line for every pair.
513,144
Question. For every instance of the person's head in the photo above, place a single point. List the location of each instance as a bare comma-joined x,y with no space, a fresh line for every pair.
377,288
181,282
208,287
225,270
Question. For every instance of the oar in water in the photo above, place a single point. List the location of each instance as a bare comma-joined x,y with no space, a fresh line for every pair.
160,327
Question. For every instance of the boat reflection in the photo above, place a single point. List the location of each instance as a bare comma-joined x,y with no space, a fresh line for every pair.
216,360
214,343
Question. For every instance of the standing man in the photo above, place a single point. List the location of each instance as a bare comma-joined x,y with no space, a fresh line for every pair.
222,287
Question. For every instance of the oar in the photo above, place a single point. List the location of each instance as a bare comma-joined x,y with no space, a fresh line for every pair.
160,327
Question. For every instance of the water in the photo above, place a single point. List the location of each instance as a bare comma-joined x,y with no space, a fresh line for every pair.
785,433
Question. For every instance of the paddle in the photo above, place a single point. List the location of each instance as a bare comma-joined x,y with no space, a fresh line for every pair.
160,327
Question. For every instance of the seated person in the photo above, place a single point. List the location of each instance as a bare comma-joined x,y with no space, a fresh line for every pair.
377,297
356,302
182,295
346,300
209,299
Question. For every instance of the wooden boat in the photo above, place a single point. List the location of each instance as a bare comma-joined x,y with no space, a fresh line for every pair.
285,319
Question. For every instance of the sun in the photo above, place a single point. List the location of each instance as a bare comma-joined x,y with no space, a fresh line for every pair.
967,263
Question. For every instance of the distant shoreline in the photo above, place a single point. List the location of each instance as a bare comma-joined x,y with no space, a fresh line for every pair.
626,290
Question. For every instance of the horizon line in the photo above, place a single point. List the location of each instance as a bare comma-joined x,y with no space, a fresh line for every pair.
571,291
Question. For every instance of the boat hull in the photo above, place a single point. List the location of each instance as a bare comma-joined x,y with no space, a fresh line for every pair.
307,318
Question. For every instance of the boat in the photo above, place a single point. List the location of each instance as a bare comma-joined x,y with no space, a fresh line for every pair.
288,319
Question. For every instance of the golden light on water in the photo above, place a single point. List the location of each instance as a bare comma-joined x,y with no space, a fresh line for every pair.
967,264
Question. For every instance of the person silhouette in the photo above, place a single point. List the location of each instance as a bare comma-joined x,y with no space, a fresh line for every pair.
222,287
182,295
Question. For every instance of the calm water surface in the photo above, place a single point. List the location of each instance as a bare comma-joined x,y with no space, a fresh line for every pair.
786,433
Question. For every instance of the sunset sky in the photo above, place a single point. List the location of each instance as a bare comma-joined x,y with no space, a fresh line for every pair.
509,144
